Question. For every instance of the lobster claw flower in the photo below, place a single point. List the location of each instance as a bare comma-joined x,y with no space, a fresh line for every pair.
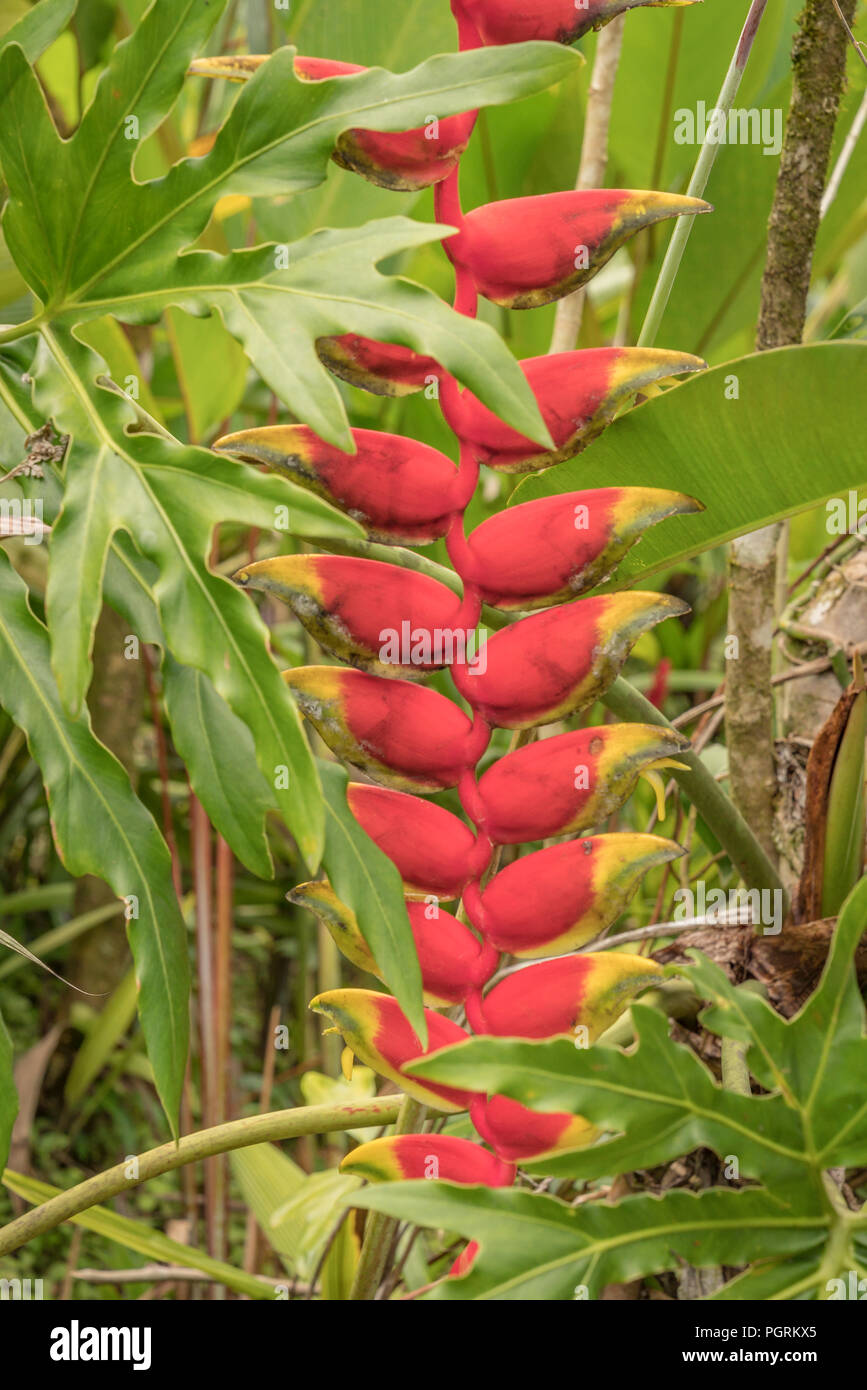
384,369
545,552
408,160
570,782
376,1029
559,898
578,394
452,960
553,663
381,618
557,998
402,492
525,252
562,21
395,732
435,854
403,1157
519,1135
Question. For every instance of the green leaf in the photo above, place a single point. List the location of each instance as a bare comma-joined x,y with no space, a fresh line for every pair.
535,1247
170,498
88,789
330,285
8,1094
111,241
218,752
107,1028
695,439
659,1102
211,370
38,29
135,1235
368,882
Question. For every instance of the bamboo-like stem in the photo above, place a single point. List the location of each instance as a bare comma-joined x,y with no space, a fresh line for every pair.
698,183
380,1229
192,1148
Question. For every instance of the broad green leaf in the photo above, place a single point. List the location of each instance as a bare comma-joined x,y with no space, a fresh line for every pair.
296,1211
698,439
537,1248
218,752
367,881
37,29
8,1094
88,790
107,1028
137,1236
170,498
113,242
328,284
211,370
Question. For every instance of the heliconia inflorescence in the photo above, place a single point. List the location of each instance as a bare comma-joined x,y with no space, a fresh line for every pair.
393,626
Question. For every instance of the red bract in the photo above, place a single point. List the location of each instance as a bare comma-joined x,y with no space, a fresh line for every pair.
401,491
409,160
560,997
570,782
399,734
411,1156
562,21
579,393
524,252
453,962
548,551
560,898
378,617
384,369
434,852
376,1029
559,661
518,1134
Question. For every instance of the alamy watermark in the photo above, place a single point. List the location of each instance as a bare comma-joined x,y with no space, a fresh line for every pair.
739,126
438,646
750,906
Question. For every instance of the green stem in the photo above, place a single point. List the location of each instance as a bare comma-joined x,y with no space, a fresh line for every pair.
723,817
380,1230
192,1148
14,331
698,182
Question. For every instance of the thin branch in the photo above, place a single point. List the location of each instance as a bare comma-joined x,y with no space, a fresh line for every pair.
698,183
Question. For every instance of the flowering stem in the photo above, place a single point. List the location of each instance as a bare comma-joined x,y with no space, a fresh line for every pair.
701,174
192,1148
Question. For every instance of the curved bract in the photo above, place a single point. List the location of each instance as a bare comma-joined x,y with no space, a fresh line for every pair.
396,625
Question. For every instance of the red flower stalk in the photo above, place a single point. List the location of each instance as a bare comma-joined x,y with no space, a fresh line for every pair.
394,623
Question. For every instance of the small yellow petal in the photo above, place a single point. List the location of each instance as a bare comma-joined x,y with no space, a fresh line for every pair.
347,1060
